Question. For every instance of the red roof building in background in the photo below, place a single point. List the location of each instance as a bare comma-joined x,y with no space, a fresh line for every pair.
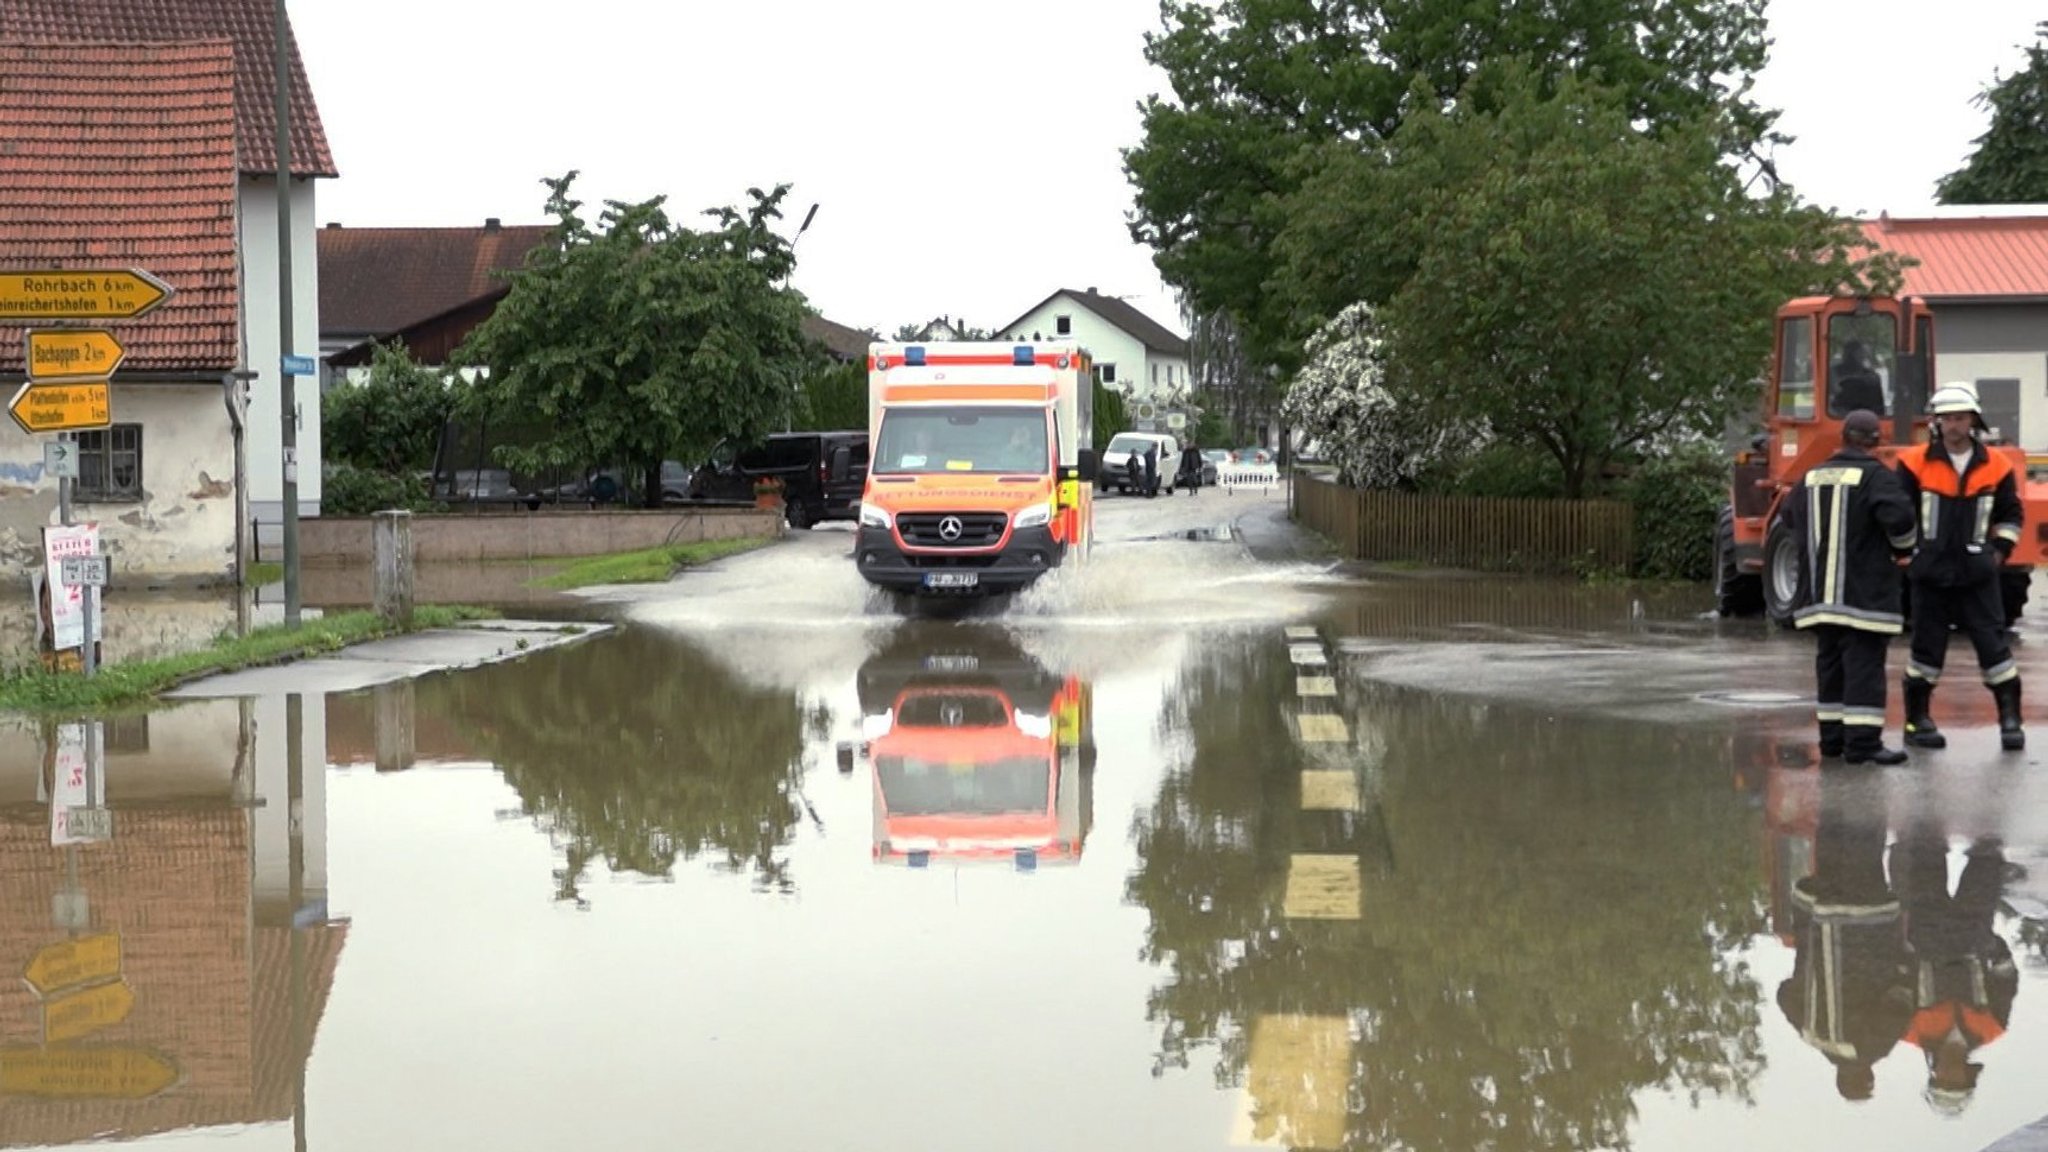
249,26
123,156
425,287
1983,258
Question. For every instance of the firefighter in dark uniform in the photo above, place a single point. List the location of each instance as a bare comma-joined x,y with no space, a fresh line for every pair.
1850,993
1961,971
1970,517
1854,520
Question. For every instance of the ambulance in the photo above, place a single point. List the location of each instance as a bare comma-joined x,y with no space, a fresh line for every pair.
981,466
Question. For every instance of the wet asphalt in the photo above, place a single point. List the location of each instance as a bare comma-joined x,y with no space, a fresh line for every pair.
1214,842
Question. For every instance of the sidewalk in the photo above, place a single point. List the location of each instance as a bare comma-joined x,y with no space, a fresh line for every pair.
394,658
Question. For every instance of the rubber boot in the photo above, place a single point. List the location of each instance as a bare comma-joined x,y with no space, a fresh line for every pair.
2011,736
1831,739
1920,729
1873,752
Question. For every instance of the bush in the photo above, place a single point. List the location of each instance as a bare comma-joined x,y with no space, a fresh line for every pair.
1111,416
1677,499
346,490
1499,471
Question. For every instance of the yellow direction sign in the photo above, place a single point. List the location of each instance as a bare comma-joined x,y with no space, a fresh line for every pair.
56,354
62,407
86,960
77,1014
85,1073
80,294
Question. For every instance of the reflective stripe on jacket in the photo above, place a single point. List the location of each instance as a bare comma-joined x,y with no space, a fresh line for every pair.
1968,523
1853,520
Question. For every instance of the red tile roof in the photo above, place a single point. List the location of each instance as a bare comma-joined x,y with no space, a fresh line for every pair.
123,156
376,281
1975,257
250,25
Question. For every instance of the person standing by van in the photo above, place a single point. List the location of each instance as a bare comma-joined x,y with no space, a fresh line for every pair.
1190,475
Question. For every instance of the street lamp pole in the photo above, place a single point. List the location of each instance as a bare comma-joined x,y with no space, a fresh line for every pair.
288,404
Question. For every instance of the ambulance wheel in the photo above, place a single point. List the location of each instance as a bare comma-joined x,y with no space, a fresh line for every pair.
1781,575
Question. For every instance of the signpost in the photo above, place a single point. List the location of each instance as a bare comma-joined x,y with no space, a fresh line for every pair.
80,294
85,571
68,963
57,355
119,1073
61,407
60,459
80,1014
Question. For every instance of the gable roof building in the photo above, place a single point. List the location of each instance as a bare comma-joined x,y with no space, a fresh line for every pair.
249,26
1983,270
1133,353
1156,337
153,188
425,287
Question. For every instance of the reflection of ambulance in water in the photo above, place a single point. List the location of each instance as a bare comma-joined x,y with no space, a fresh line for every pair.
978,754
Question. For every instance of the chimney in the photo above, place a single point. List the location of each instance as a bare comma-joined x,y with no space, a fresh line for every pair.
490,223
1091,290
334,225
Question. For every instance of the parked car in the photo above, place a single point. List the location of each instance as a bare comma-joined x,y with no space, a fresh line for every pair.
617,486
1117,456
1212,459
821,473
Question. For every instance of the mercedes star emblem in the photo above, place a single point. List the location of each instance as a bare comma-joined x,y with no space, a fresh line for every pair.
950,528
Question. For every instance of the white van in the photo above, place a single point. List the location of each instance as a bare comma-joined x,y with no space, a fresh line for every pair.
1115,464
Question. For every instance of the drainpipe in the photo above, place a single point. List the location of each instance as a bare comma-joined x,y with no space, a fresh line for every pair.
235,393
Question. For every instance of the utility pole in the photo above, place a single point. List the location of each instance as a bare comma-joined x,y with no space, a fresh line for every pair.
288,404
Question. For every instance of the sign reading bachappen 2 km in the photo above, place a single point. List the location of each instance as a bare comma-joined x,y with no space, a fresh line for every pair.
80,294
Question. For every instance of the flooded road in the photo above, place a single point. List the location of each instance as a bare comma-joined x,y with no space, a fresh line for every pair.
1187,851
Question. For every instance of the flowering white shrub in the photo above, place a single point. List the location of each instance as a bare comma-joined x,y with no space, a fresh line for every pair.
1339,399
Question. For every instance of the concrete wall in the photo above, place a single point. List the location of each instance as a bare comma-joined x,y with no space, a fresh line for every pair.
182,531
458,538
1977,342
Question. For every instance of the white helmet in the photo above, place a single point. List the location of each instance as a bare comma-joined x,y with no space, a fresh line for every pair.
1955,396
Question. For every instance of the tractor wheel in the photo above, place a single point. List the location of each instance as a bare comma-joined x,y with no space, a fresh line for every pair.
1735,594
1781,576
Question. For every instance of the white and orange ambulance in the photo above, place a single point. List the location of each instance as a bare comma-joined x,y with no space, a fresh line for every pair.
981,466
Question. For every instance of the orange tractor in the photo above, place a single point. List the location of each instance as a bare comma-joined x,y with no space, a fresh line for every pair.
1832,355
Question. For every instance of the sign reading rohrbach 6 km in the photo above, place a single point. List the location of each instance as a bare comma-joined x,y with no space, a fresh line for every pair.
80,294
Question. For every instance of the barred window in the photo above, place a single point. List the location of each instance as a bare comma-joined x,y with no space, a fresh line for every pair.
110,464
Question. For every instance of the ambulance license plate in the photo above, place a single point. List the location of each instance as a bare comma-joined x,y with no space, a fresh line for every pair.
951,579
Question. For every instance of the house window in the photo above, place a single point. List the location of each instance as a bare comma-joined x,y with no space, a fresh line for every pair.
1155,375
1105,373
1063,326
110,464
2000,400
128,733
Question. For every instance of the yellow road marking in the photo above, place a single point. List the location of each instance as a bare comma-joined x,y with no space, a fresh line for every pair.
1301,632
1329,791
1322,888
1297,1083
1323,728
1306,654
1315,685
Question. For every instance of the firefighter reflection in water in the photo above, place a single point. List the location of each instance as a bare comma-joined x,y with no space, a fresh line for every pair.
1848,994
1963,977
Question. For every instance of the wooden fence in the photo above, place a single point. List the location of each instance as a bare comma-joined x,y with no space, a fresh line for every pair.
1549,536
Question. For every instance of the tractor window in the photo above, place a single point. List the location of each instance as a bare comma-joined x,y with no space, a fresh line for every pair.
1795,367
1862,363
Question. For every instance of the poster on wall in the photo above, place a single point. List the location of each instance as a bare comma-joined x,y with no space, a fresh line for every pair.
67,601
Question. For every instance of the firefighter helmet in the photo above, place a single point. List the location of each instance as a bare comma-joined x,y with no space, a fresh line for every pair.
1954,397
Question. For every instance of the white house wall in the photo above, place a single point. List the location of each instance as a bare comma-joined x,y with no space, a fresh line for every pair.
182,531
1108,344
260,345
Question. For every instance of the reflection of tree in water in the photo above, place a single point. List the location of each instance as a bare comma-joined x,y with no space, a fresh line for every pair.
638,749
1550,912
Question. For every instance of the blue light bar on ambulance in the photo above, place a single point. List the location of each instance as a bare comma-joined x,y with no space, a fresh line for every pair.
1022,356
913,356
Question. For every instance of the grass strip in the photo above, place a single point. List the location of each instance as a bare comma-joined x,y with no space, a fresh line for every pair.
120,685
264,572
648,566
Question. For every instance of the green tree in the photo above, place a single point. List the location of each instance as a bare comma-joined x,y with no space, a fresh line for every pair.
639,339
392,421
2010,165
835,396
1589,287
1111,415
1259,88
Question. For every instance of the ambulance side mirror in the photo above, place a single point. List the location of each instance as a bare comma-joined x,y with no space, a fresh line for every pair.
1088,465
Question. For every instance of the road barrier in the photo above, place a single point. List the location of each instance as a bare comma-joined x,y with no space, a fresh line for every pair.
1261,476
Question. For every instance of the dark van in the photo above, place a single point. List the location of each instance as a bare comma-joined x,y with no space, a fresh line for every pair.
822,473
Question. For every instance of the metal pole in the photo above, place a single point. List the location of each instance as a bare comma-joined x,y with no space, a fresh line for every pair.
295,792
64,482
88,598
288,404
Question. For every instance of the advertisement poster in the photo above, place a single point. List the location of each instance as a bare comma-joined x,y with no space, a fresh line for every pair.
67,603
76,794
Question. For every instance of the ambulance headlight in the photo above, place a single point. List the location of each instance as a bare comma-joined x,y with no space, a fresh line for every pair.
872,516
1036,516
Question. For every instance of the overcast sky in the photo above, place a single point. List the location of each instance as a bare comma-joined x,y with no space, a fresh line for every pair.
964,154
